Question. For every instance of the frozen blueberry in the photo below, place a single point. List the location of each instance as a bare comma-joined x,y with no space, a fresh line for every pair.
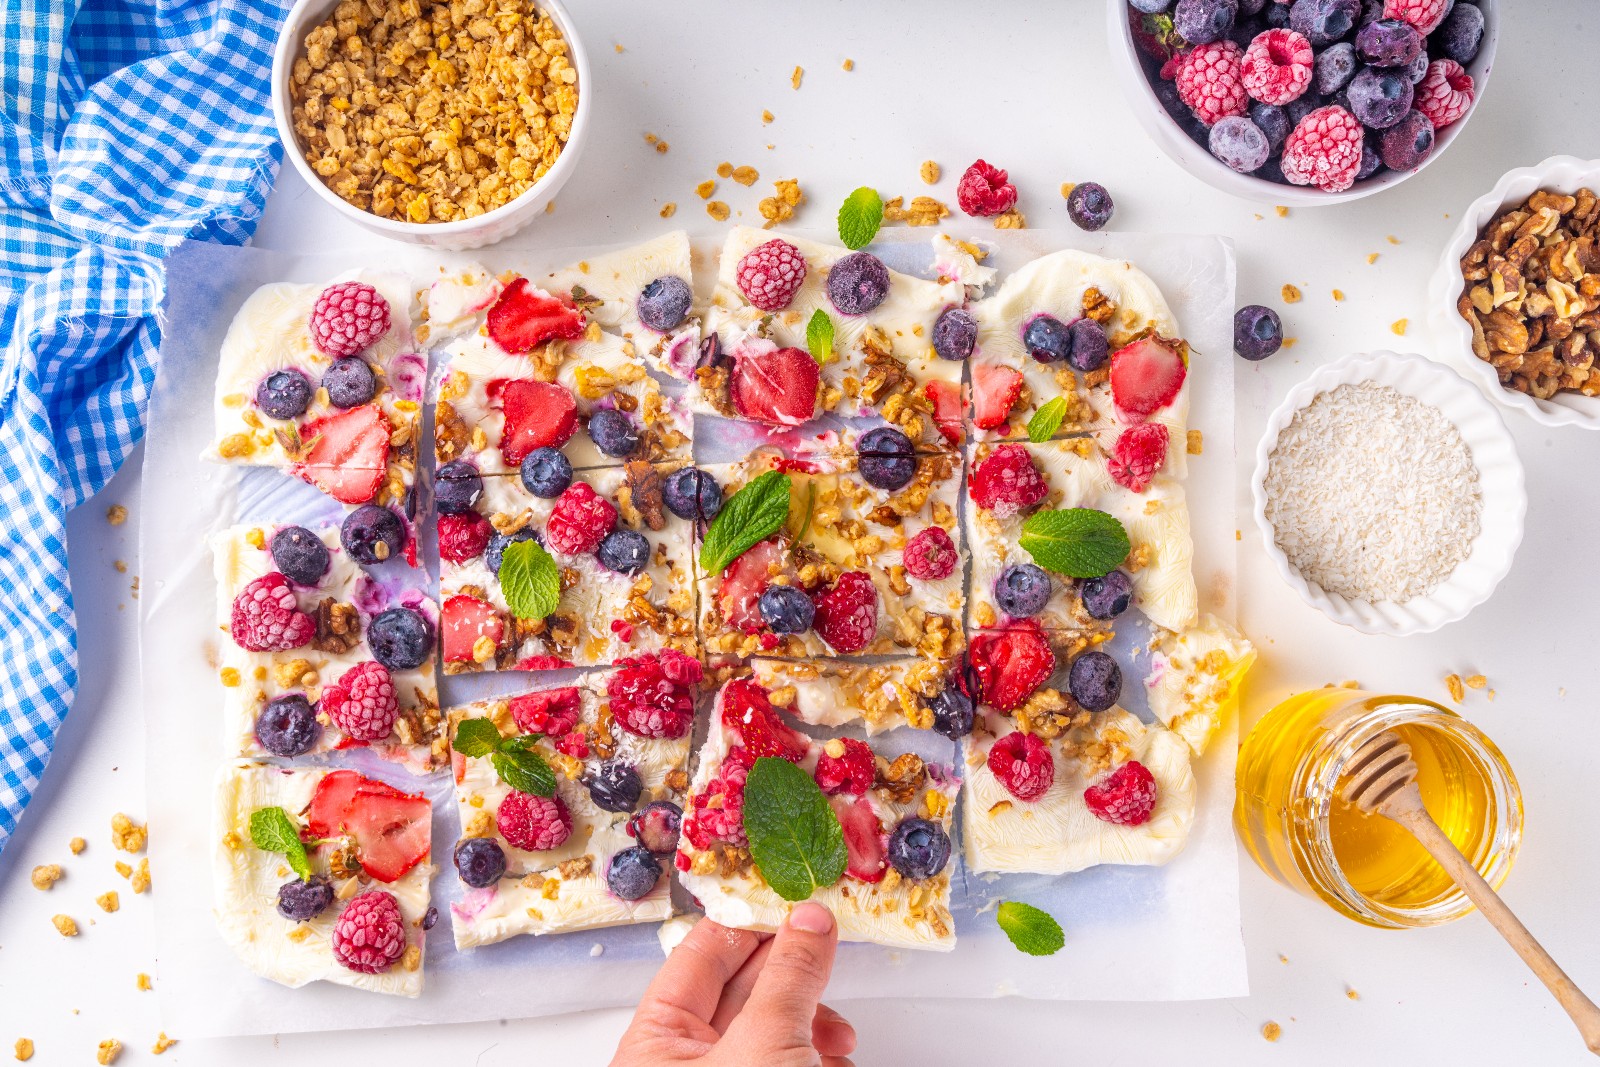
858,283
1273,121
633,873
494,553
1250,8
1240,143
1089,345
1022,590
710,353
1459,36
400,638
429,918
1334,67
1257,332
955,332
691,493
1407,143
1371,11
1095,681
372,534
1204,21
952,713
303,901
786,610
1388,43
615,787
299,555
1047,338
1277,16
456,487
886,458
546,472
919,848
284,394
1418,69
613,433
656,826
349,382
1089,205
664,303
1150,7
624,551
1108,596
1167,93
1371,161
480,861
1379,98
287,725
1304,105
1324,21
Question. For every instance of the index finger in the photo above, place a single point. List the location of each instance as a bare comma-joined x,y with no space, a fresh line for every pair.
693,977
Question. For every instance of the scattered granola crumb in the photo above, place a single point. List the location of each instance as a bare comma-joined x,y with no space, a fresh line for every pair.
619,48
1067,187
1011,220
128,835
120,567
766,117
1282,958
717,210
108,901
794,79
140,881
1476,681
849,65
229,676
1196,443
1398,327
64,925
549,207
1452,682
1392,239
1290,342
657,143
1338,294
46,875
24,1048
163,1042
77,845
1283,212
1238,535
705,189
1291,295
724,169
1271,1031
1372,257
1351,993
780,206
141,982
116,514
123,869
1562,692
108,1052
668,209
1491,694
929,171
746,176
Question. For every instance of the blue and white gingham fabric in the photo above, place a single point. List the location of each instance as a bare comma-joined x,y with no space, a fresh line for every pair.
126,128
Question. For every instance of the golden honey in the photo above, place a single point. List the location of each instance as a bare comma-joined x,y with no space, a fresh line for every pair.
1294,825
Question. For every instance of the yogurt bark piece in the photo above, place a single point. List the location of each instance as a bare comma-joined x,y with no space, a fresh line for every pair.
874,900
340,409
374,863
627,584
883,363
345,634
601,763
882,568
1007,483
876,696
1195,676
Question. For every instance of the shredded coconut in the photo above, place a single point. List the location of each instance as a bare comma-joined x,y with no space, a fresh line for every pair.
1373,494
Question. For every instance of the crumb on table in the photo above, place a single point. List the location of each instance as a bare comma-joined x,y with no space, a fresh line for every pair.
127,835
45,875
108,901
142,983
163,1042
794,79
64,925
668,209
77,845
108,1051
116,514
24,1047
1271,1031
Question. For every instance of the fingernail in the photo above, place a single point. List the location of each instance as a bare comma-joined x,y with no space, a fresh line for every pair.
812,918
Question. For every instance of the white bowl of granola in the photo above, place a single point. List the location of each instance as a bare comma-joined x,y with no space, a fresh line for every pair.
1475,316
428,153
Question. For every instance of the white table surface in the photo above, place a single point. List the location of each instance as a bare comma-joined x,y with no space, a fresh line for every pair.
1028,87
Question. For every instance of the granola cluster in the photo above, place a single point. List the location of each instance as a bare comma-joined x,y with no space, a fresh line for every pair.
1532,294
432,112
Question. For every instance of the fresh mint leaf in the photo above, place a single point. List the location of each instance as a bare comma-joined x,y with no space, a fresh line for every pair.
1076,542
795,837
1047,420
819,336
859,218
271,830
530,580
521,742
1031,930
476,738
753,514
524,770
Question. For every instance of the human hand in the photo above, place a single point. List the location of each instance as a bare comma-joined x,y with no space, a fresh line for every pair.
732,998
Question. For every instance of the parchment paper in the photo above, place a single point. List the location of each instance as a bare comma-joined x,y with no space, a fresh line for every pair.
1133,933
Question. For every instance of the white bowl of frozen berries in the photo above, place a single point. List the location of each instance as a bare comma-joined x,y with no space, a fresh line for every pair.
1304,102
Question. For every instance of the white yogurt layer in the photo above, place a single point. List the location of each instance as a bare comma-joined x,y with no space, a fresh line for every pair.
1194,677
879,696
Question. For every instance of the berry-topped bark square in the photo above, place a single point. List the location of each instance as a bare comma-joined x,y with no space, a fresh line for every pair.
322,876
324,381
322,648
556,568
524,369
570,800
853,549
775,817
799,329
1194,677
922,693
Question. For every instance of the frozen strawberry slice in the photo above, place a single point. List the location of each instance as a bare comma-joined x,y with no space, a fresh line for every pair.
538,415
1011,663
743,582
331,800
946,400
863,839
524,317
777,386
392,831
748,712
462,621
1146,376
994,391
346,454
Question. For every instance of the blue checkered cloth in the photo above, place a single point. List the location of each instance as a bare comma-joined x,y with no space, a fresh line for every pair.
126,128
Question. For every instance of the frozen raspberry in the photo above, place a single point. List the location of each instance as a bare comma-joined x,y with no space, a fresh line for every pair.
574,744
347,318
1445,93
266,617
1211,81
362,704
552,712
533,824
463,537
1023,765
845,766
847,614
653,696
1126,797
1425,15
747,711
579,521
1277,66
716,813
930,556
984,191
1139,453
770,274
1324,150
370,934
1006,482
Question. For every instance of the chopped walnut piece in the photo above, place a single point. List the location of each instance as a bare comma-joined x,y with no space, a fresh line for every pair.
902,778
338,627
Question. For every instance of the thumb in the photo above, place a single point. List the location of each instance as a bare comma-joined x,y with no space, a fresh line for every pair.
784,1001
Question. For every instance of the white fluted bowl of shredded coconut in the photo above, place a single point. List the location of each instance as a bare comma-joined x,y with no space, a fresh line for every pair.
1389,494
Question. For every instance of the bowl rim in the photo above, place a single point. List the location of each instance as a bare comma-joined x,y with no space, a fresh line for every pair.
287,51
1201,164
1494,454
1451,334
